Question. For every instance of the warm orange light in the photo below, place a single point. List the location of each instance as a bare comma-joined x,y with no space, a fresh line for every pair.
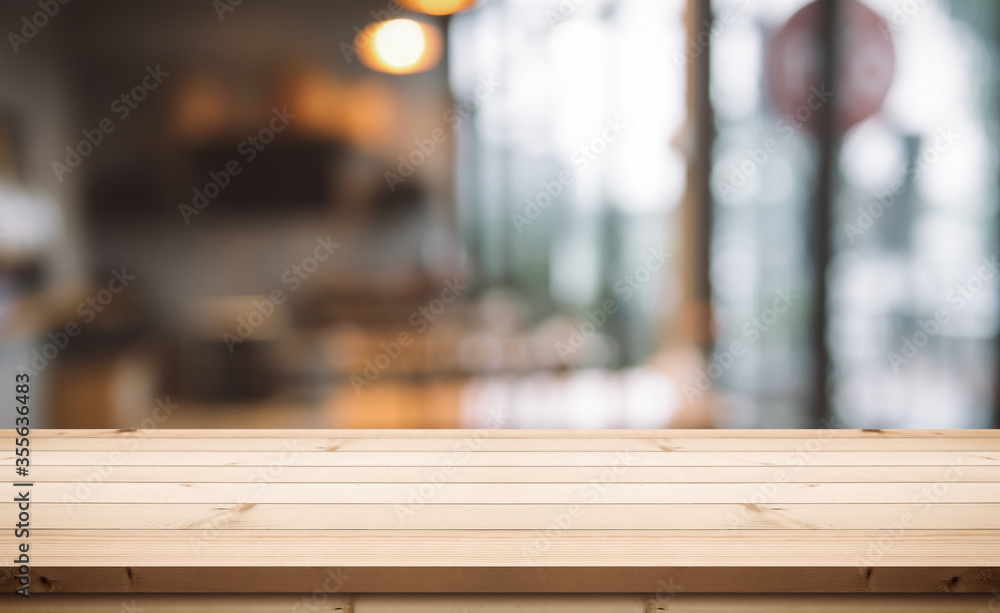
399,46
437,7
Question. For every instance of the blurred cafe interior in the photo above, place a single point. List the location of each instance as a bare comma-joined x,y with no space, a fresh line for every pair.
501,213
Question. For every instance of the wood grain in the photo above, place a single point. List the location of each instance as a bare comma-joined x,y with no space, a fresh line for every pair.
592,459
506,603
627,512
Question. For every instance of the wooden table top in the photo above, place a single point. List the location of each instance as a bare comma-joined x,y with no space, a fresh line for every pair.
638,511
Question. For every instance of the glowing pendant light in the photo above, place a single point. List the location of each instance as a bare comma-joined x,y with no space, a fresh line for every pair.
437,7
400,46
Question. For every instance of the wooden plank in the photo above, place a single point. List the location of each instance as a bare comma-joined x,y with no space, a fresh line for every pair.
91,477
486,579
913,548
295,457
520,493
322,602
490,442
249,516
812,549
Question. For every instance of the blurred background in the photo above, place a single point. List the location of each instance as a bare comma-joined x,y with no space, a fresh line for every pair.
501,213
